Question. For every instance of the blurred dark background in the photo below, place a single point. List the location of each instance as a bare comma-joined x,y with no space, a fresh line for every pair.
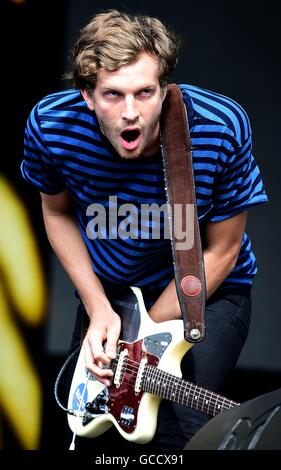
231,47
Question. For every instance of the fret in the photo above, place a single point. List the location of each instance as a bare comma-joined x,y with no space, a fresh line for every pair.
183,391
204,400
200,399
188,394
226,404
194,397
153,380
175,391
215,405
170,389
208,402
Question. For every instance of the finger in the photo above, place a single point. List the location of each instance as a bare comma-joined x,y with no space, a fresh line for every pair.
100,373
95,367
96,347
112,338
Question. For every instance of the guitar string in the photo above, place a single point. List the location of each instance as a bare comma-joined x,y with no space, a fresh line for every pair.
212,405
181,392
204,396
217,399
209,398
170,378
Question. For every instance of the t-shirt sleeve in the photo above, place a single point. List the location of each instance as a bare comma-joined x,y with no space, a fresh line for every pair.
37,167
238,184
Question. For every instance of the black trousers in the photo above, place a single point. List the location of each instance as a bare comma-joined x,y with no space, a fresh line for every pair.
207,364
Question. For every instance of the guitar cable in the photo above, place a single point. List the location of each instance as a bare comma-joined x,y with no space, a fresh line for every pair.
69,410
58,379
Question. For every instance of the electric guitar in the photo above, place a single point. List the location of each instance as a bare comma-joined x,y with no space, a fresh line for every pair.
146,369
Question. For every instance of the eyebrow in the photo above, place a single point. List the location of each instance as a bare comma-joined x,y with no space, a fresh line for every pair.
116,88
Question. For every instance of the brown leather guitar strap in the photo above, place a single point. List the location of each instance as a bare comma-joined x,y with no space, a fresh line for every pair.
182,214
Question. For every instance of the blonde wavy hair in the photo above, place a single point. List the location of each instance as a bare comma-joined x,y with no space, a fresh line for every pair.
113,39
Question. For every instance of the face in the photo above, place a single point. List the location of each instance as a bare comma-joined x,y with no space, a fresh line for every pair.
128,104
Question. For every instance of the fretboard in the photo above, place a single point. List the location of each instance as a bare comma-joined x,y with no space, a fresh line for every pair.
165,385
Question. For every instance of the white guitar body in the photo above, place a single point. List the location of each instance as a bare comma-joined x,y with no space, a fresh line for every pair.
133,412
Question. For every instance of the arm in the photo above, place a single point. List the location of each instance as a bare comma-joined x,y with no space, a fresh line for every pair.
223,243
67,242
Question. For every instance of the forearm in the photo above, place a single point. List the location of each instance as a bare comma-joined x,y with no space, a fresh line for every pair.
104,327
223,242
67,242
217,268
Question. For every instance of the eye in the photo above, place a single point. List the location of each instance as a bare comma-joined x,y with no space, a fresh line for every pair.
146,92
111,94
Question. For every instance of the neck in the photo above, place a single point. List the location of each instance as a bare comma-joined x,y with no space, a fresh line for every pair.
168,386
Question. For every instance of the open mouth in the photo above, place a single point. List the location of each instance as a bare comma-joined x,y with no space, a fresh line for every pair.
130,138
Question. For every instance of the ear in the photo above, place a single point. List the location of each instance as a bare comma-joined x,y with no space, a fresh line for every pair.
87,95
164,92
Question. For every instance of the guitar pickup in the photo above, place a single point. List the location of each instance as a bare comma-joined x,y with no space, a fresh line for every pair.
119,368
140,375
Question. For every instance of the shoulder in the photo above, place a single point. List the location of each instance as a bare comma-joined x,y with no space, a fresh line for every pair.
217,108
61,101
65,108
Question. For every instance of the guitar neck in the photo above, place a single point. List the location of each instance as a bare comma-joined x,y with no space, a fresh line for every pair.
170,387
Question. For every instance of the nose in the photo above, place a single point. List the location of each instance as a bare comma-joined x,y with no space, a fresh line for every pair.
130,111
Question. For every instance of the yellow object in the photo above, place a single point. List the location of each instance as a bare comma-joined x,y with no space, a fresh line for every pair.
22,286
20,392
19,257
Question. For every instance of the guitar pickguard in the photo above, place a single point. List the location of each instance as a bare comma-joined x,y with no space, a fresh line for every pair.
153,344
122,399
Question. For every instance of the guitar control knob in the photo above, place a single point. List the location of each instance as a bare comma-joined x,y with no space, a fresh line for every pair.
91,407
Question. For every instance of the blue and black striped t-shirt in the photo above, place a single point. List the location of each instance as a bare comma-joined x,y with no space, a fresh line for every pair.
65,149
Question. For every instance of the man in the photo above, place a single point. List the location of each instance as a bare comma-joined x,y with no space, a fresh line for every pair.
100,141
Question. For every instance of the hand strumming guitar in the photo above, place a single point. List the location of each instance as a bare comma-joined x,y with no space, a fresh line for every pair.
105,326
